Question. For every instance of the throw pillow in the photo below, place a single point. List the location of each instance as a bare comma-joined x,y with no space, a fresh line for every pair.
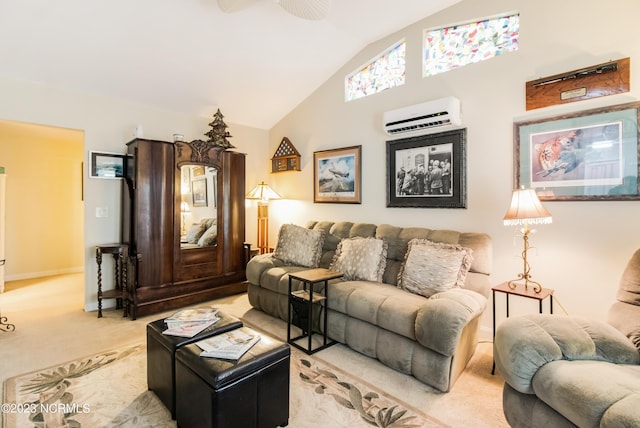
299,246
208,222
431,267
361,259
195,232
209,237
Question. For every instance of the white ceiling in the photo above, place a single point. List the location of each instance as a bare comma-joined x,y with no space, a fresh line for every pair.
255,65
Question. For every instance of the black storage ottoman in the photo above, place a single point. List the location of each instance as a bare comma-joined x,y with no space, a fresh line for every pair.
250,392
161,349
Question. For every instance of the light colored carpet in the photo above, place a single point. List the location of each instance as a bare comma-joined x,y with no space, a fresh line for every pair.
51,327
86,393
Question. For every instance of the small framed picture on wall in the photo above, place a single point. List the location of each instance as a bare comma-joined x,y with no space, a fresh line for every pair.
107,165
337,175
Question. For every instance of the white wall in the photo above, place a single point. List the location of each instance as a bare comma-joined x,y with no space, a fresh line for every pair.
582,254
108,125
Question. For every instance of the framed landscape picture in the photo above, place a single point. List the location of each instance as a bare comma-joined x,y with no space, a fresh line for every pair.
584,156
337,175
107,165
199,192
428,171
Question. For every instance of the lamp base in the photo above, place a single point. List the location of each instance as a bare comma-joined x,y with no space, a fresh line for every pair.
526,268
5,326
537,288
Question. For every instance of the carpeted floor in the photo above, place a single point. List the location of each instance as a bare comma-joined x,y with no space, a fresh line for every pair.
83,393
51,328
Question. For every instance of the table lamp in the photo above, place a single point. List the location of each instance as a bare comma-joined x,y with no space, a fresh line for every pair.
526,209
263,193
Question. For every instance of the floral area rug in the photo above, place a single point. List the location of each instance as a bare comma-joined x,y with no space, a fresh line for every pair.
110,390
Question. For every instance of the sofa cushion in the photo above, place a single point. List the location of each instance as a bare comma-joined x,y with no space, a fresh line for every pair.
526,343
431,267
360,259
629,289
634,336
583,391
299,246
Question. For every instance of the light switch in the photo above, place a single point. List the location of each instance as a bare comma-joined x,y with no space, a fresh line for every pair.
102,212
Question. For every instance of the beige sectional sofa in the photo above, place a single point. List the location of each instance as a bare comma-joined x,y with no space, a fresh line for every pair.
431,338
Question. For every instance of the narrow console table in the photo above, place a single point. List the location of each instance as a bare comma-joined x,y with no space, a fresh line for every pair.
303,300
119,292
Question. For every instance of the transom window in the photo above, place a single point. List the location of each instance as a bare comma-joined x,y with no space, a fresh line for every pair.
387,70
456,46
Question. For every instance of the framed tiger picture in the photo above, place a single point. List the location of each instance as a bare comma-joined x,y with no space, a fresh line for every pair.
583,156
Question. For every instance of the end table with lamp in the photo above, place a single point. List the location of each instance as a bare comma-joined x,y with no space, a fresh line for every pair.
525,209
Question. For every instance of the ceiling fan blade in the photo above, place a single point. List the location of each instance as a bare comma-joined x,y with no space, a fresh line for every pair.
306,9
230,6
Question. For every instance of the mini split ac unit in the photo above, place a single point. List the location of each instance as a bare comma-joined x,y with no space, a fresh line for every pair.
425,118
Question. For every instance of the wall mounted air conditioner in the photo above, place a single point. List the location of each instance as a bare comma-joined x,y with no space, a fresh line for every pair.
425,118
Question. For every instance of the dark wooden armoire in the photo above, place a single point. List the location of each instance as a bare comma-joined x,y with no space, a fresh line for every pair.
183,217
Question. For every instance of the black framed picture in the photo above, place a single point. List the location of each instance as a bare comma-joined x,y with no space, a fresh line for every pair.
428,171
107,165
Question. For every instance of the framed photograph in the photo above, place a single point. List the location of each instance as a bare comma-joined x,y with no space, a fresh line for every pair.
107,165
428,171
199,192
337,175
590,155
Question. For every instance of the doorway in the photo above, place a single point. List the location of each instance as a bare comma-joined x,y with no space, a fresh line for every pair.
44,207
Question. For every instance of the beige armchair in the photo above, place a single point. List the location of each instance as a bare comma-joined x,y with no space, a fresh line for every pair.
566,371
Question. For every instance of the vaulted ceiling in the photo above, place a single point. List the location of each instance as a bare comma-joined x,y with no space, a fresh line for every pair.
256,64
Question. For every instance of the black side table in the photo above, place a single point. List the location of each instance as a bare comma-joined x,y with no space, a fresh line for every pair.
119,292
516,289
303,301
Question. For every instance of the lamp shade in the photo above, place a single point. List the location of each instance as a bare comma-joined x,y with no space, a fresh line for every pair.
262,192
525,209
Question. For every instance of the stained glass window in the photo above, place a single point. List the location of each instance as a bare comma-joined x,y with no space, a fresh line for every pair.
459,45
383,72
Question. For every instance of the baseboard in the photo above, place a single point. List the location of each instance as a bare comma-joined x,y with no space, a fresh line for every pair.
31,275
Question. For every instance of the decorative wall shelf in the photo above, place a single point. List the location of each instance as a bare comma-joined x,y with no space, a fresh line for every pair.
286,157
596,81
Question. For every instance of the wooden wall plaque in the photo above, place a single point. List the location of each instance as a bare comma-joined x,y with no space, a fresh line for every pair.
286,157
591,82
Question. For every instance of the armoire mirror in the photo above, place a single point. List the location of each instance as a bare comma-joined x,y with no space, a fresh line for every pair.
198,206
